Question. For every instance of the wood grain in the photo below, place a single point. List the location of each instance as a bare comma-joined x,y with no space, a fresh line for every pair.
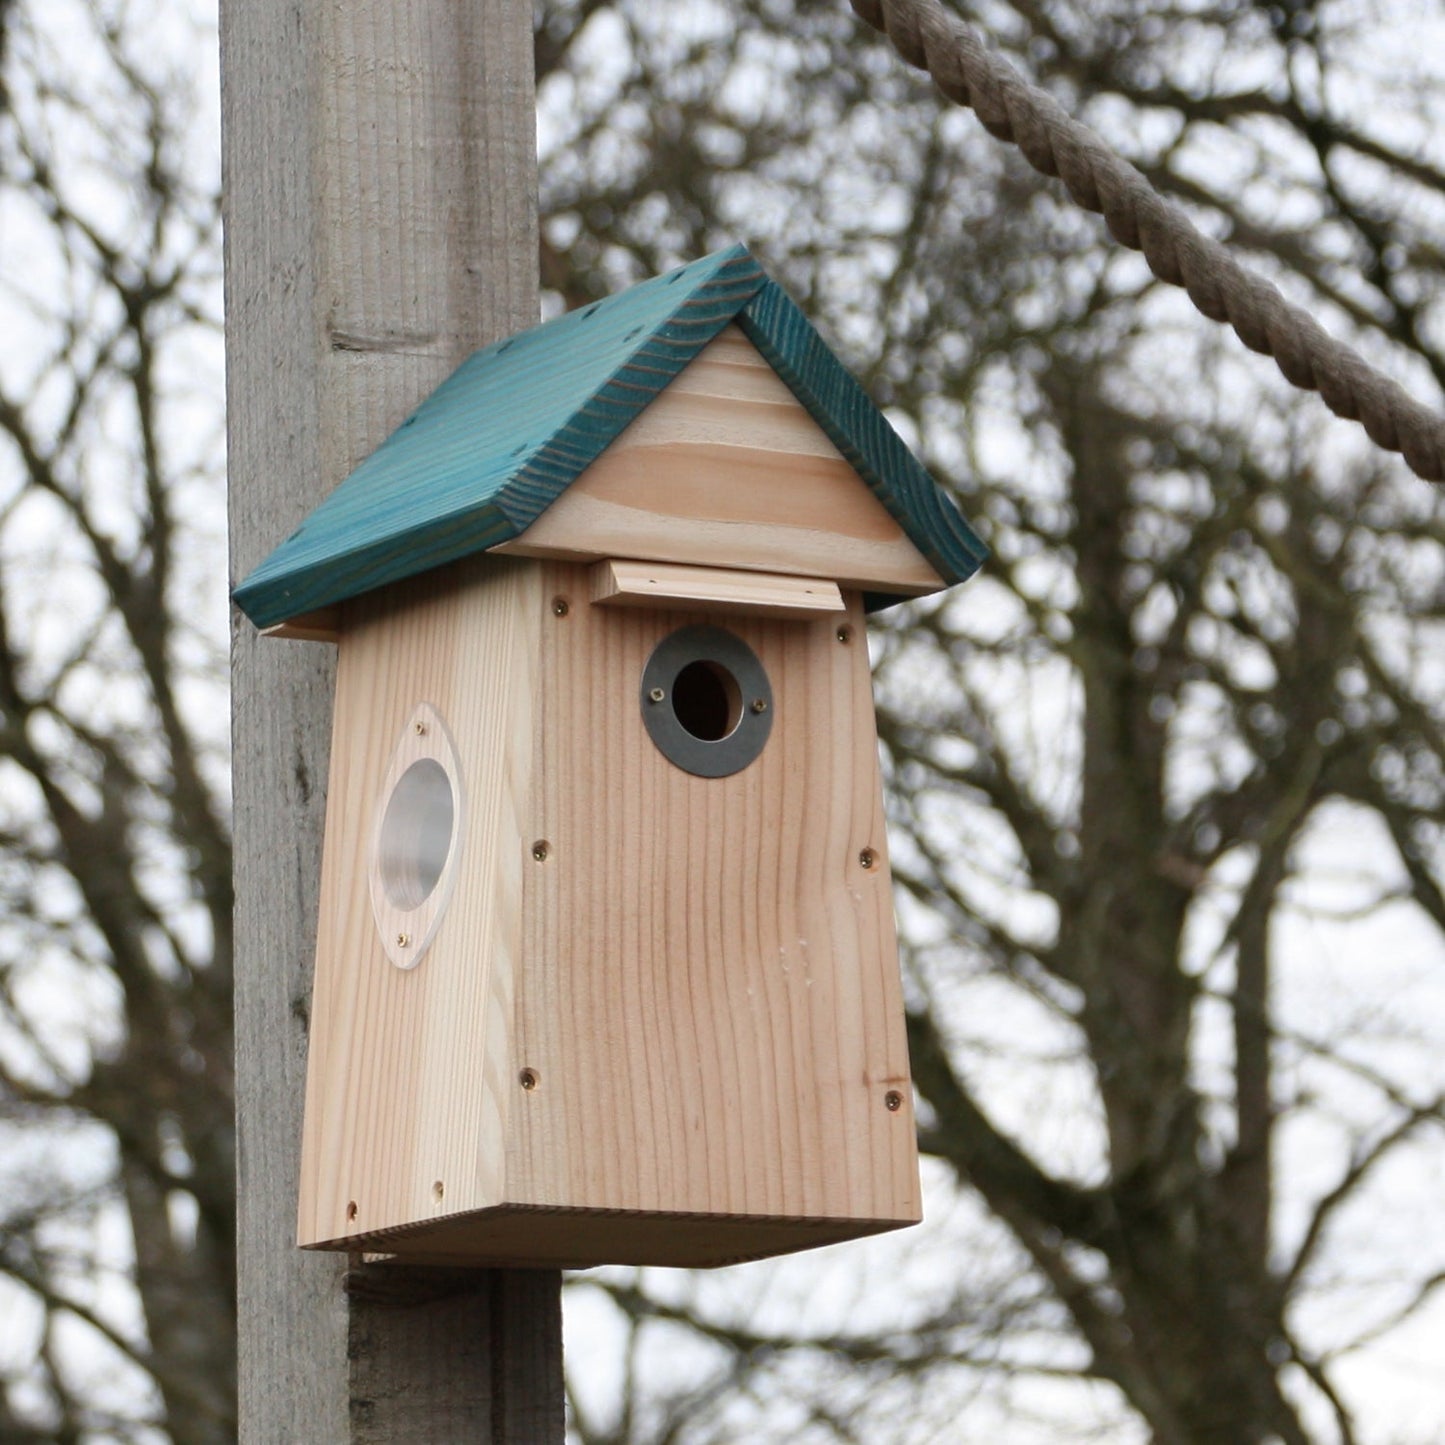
410,1083
499,440
759,594
711,1003
726,469
661,1020
380,225
792,347
510,431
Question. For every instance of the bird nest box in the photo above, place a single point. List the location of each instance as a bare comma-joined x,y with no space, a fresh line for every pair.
605,965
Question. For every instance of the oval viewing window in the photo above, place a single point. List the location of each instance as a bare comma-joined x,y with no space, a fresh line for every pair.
416,834
706,701
417,838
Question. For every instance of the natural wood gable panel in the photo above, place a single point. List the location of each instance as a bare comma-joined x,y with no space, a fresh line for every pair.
725,468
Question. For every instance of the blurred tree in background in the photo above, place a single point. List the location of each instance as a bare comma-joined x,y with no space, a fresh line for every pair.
117,1202
1166,783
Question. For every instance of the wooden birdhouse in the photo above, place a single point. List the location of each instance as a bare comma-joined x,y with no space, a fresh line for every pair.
606,967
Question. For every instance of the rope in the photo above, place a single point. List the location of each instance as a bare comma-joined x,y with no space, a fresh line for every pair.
930,38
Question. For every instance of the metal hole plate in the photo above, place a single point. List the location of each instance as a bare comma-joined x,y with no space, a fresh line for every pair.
702,757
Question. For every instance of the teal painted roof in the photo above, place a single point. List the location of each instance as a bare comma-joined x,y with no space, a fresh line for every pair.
505,435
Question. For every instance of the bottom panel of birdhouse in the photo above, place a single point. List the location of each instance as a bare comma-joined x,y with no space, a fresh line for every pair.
580,1238
606,967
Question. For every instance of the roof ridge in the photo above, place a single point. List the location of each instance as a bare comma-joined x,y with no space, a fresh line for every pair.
480,459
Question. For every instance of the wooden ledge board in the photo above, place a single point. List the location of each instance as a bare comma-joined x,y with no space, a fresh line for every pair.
620,583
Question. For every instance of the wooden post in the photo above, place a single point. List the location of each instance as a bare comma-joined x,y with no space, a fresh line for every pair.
380,180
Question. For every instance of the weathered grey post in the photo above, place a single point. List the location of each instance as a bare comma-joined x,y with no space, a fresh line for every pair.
380,224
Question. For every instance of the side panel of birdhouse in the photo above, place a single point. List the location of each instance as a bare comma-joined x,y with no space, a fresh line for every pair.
709,1024
410,1076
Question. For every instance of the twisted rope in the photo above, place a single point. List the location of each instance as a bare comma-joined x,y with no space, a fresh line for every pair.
928,37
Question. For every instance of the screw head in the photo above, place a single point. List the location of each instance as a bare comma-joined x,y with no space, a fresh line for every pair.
403,940
560,607
420,728
656,695
760,704
845,633
541,850
893,1101
867,859
528,1079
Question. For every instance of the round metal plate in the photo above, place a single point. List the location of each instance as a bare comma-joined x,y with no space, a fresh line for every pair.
734,665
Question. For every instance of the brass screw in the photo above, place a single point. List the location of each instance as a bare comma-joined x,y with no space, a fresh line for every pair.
867,858
845,633
893,1101
560,607
438,1189
350,1211
420,728
540,850
403,940
656,695
760,704
528,1079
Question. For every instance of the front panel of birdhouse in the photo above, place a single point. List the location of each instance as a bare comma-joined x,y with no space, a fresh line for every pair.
714,1021
606,965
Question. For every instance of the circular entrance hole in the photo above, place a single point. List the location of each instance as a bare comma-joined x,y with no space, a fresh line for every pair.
707,700
416,834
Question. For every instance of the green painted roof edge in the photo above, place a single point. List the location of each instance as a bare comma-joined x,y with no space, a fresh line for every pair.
734,280
284,585
729,286
852,421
